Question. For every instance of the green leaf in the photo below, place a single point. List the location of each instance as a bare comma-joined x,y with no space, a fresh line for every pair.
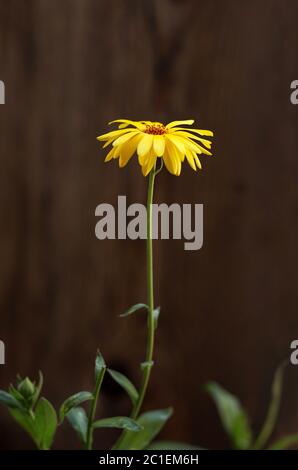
285,442
134,309
78,420
126,384
73,402
171,445
41,425
151,422
100,365
25,421
16,394
121,422
156,313
38,388
10,401
274,405
45,424
233,416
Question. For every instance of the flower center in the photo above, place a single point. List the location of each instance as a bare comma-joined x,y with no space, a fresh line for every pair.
155,129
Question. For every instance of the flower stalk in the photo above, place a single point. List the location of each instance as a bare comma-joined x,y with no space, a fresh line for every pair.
147,365
150,295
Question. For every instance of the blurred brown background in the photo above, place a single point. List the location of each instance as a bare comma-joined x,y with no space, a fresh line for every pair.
229,311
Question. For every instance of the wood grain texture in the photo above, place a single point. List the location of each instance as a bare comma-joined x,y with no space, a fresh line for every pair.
229,311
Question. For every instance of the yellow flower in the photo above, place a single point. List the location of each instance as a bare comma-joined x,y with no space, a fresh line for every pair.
152,140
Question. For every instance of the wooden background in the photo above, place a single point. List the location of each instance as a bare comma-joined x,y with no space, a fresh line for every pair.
229,311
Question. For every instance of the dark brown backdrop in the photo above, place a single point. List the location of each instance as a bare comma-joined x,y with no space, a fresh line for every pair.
229,311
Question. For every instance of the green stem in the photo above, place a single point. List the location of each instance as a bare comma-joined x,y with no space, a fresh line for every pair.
147,365
150,296
273,410
89,439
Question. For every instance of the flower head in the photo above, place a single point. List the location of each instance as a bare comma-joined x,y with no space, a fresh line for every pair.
152,140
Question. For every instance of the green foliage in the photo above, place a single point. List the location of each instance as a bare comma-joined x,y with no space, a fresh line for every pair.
146,365
78,420
233,416
156,313
73,402
44,424
151,424
10,401
100,365
134,309
140,306
126,384
120,422
35,415
285,442
235,421
85,425
273,409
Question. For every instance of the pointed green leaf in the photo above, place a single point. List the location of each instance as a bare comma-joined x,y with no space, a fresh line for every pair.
38,388
272,413
100,365
121,422
232,414
45,424
171,445
134,309
16,394
10,401
152,422
78,420
25,421
126,384
156,313
285,442
73,402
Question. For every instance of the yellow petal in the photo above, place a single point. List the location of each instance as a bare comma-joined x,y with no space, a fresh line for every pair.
149,164
145,144
143,159
197,131
127,122
190,159
175,155
192,146
169,162
113,134
205,132
107,143
124,138
197,161
183,134
128,149
178,142
110,155
202,150
159,145
177,123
